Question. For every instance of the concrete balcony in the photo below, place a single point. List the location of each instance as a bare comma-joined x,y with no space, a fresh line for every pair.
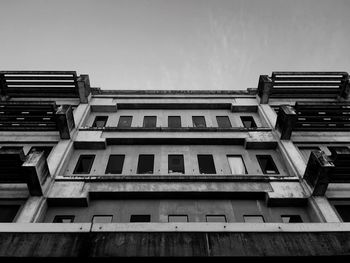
174,240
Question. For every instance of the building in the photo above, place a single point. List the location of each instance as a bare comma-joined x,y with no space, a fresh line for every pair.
87,172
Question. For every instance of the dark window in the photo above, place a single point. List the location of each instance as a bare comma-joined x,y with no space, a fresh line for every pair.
206,164
253,219
146,164
216,218
174,122
140,218
84,164
223,122
306,151
199,121
150,122
8,213
177,218
236,164
125,121
291,219
267,165
45,149
100,121
176,164
64,219
102,219
115,164
248,121
344,212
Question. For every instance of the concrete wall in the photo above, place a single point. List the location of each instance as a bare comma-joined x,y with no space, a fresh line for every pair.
190,153
195,209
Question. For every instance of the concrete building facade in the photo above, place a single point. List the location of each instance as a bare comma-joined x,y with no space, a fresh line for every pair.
87,172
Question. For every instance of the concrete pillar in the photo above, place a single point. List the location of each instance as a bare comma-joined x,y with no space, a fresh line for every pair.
264,88
65,121
31,210
84,88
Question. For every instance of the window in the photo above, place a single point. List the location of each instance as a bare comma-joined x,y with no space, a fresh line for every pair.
145,165
253,219
267,165
291,219
248,122
223,122
199,121
174,122
150,122
344,212
84,164
176,164
100,121
8,213
177,218
45,149
216,218
206,164
140,218
236,164
115,164
64,219
306,151
125,121
102,219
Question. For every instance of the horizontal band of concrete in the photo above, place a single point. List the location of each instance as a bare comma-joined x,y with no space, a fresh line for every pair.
181,178
172,227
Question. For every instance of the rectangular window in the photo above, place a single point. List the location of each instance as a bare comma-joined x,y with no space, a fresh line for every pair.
64,219
206,164
216,218
306,151
267,165
146,164
140,218
125,121
253,219
199,121
291,219
102,219
176,164
248,122
236,164
84,164
100,121
174,122
45,149
115,164
344,212
223,122
8,213
177,218
150,122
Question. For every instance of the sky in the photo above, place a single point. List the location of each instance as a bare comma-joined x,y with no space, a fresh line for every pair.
175,44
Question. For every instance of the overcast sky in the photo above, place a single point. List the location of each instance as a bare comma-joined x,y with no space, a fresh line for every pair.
175,44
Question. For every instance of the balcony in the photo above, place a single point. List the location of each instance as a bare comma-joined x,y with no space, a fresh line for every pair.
36,116
305,85
44,84
17,168
313,116
322,169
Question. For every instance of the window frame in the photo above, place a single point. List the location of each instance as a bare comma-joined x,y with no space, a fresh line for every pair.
183,164
251,216
179,215
124,116
193,122
71,217
228,119
144,122
236,155
79,161
105,119
135,215
199,166
179,117
221,215
138,163
252,120
258,156
96,216
109,160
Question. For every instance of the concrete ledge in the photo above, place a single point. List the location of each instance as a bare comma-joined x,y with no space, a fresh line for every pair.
45,227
